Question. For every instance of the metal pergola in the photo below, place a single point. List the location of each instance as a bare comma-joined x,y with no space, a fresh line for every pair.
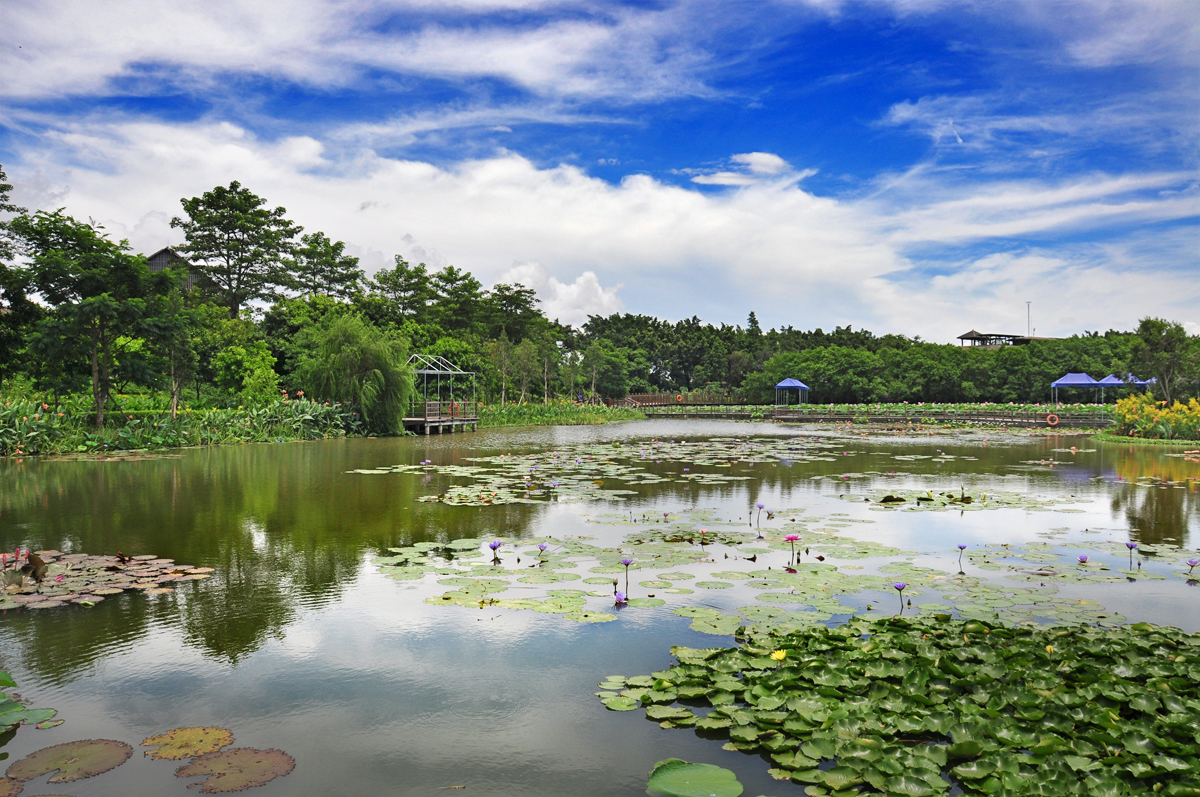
427,365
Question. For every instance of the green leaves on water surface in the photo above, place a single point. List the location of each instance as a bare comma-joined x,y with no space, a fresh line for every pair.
13,712
181,743
237,769
72,760
683,779
897,706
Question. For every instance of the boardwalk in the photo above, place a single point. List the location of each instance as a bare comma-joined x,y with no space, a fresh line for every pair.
442,417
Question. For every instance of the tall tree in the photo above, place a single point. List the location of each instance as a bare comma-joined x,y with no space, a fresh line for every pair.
322,266
17,312
1164,350
97,288
238,245
512,309
458,299
406,288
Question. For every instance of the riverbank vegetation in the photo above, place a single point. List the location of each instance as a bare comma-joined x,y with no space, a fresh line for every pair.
254,329
1142,417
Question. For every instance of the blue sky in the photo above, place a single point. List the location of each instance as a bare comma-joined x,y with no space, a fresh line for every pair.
913,166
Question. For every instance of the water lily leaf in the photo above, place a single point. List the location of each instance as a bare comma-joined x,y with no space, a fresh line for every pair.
72,760
237,768
181,743
47,724
678,778
646,602
10,787
621,703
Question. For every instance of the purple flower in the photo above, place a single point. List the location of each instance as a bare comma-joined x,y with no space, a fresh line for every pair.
627,561
542,546
1131,545
620,597
1192,563
962,547
494,544
900,585
1083,559
760,506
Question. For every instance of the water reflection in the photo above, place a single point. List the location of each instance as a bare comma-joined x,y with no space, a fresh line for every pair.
287,529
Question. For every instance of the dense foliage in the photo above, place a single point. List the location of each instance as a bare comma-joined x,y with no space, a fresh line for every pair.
1142,416
918,707
255,308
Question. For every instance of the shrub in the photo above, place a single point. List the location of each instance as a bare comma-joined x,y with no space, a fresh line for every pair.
1140,415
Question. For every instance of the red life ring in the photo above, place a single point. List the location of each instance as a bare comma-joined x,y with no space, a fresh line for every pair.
1052,420
679,397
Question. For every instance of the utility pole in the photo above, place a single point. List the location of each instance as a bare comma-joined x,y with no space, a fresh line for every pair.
1028,319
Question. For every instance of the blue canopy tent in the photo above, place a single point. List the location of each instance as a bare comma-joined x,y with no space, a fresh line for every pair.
1074,380
784,388
1112,380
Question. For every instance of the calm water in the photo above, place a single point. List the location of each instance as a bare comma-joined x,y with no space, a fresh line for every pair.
300,644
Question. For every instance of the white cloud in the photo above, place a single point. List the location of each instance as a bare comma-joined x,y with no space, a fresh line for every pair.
771,246
568,303
725,178
762,162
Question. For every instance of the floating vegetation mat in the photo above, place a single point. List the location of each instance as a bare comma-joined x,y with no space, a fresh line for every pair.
920,707
687,559
596,471
50,579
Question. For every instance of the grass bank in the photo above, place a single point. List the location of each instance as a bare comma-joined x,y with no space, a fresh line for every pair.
1109,437
556,414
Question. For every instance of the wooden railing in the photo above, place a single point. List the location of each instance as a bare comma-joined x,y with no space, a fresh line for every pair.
681,398
446,410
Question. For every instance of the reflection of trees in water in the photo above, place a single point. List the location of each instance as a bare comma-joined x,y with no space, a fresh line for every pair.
1159,514
1159,497
59,645
286,527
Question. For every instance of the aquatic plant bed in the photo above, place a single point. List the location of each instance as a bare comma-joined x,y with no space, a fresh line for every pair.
917,707
86,580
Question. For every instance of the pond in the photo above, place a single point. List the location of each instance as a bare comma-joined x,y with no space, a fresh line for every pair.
324,633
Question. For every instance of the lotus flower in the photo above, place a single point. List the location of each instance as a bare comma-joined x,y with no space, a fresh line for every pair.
1131,546
1083,559
961,548
1192,563
900,585
779,655
620,598
791,538
627,562
495,544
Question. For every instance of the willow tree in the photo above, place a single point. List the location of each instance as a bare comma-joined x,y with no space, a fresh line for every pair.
356,363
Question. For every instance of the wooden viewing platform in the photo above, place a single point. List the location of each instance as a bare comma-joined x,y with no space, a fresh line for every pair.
443,416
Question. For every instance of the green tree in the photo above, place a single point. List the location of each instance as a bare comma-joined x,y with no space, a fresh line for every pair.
1163,350
458,299
239,246
97,290
357,363
321,266
511,309
500,352
605,366
398,295
17,313
248,372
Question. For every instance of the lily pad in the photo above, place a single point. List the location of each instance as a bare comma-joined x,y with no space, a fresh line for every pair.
238,768
182,743
683,779
72,760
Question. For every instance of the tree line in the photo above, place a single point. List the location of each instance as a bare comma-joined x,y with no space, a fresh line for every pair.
254,306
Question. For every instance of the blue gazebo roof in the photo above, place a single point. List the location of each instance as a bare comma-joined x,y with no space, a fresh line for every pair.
1075,380
1113,380
795,384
